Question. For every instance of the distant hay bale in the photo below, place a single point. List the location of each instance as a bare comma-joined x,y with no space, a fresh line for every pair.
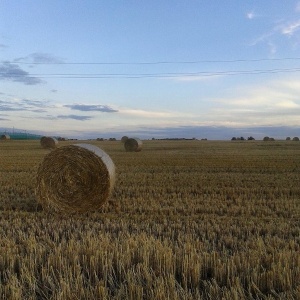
48,142
133,145
5,137
124,139
75,178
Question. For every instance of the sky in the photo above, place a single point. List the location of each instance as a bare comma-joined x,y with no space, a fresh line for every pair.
162,69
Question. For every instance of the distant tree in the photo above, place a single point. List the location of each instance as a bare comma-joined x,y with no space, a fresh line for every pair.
266,138
251,138
295,138
233,138
112,139
242,138
288,138
271,139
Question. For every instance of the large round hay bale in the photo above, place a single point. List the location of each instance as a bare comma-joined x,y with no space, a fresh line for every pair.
124,139
133,145
75,178
5,137
48,142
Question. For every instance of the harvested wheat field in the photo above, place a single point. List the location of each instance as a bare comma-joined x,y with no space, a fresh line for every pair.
185,220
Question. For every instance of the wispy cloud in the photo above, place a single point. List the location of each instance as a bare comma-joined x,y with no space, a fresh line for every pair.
2,46
265,37
275,102
35,103
144,113
39,57
250,15
85,107
290,28
13,72
75,117
275,37
24,105
287,104
3,117
8,106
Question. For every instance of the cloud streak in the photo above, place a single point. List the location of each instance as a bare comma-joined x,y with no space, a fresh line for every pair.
40,58
290,28
275,102
24,105
85,107
75,117
12,72
145,113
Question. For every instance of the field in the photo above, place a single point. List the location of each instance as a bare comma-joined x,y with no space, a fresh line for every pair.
186,220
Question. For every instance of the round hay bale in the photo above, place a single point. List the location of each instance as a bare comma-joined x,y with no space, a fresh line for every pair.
124,139
75,178
133,145
48,142
5,137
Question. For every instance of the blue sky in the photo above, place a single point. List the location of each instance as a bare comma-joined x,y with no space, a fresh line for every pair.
86,69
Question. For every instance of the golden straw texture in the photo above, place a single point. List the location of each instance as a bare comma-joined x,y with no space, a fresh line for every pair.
75,178
48,142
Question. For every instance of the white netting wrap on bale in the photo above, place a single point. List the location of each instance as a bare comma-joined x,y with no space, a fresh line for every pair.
75,178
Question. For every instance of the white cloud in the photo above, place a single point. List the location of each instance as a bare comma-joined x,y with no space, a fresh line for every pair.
144,113
262,38
297,7
287,104
250,15
290,28
274,103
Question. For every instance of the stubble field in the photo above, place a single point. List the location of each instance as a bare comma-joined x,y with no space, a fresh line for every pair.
186,220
